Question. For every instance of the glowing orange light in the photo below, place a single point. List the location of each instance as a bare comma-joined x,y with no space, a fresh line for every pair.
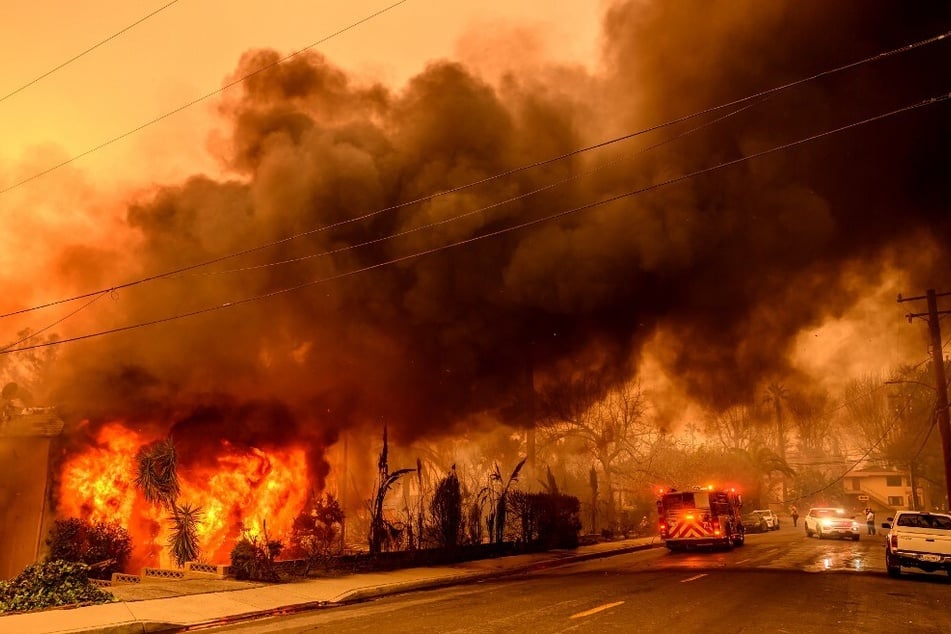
236,487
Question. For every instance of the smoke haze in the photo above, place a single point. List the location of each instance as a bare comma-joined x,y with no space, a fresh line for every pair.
712,283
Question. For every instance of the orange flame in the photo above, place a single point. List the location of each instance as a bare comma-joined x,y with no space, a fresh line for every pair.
240,489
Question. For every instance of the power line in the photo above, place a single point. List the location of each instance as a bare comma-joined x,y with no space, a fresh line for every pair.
737,102
491,234
87,51
426,226
479,210
198,100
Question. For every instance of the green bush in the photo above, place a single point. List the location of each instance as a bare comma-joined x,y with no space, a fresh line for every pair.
48,584
104,546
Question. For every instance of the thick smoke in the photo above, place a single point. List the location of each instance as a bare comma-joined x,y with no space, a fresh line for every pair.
724,270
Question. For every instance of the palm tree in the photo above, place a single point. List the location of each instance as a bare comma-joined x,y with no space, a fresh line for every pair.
156,474
183,540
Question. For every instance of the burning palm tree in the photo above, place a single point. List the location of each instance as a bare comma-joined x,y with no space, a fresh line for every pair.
183,540
156,474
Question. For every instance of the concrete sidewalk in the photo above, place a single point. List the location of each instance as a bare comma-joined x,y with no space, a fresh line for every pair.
178,605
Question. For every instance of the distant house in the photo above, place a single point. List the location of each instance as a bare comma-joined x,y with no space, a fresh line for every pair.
882,490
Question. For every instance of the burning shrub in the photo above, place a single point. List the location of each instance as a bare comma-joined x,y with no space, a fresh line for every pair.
315,531
50,583
104,546
252,558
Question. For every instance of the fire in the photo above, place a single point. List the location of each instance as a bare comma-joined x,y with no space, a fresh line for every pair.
238,489
98,485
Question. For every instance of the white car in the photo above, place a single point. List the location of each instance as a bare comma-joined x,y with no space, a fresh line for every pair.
772,520
830,522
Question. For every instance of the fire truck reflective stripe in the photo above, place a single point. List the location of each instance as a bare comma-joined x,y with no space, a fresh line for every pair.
688,530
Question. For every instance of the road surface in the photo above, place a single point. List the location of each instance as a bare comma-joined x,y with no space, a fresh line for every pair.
778,582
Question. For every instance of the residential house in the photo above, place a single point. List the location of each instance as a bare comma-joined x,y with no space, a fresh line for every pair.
884,491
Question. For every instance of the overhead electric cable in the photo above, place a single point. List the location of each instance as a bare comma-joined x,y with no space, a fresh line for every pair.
761,94
479,210
491,234
198,99
87,51
432,224
33,334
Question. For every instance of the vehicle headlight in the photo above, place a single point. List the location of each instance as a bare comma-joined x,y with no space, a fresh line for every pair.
827,522
855,524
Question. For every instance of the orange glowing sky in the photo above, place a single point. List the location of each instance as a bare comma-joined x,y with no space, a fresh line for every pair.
186,50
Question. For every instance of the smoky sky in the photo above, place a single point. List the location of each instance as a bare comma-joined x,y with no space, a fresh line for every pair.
733,263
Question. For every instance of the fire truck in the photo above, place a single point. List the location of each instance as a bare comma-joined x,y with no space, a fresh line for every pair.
701,517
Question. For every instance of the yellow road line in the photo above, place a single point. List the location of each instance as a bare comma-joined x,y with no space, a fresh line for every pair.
693,578
600,608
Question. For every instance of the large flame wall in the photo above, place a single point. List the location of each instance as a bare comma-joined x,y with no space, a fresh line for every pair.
236,487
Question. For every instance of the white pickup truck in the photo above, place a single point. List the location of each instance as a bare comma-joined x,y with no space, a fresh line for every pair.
918,540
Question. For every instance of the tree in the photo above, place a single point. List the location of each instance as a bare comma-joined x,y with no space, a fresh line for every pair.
315,529
156,473
183,539
609,424
445,511
104,546
382,532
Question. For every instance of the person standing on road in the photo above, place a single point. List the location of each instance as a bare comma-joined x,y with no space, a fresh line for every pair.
870,520
795,515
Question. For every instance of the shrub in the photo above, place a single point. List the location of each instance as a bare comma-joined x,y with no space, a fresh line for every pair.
48,584
548,520
446,512
104,546
252,559
315,531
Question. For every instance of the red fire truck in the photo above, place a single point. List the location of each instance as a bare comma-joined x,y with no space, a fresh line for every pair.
701,517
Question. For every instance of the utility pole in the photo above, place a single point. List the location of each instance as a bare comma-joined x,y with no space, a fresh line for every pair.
941,381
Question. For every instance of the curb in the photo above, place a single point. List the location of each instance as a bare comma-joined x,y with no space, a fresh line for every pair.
360,595
365,594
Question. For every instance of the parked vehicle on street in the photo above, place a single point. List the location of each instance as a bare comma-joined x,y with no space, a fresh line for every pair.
830,522
917,539
755,523
772,520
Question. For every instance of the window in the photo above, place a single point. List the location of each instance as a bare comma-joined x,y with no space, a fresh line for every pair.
893,481
896,500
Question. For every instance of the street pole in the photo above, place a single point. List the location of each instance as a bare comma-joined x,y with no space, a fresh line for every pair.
941,381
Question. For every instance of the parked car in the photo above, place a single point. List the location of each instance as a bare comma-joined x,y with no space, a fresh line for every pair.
755,523
830,522
918,540
772,520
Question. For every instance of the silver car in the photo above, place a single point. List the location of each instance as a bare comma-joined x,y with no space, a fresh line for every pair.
830,522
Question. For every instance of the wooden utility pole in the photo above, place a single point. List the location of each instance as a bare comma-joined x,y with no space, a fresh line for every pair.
941,381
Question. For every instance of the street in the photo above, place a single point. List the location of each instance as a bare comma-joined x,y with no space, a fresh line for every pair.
779,582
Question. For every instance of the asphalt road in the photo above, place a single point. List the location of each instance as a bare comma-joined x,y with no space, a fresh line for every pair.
779,582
